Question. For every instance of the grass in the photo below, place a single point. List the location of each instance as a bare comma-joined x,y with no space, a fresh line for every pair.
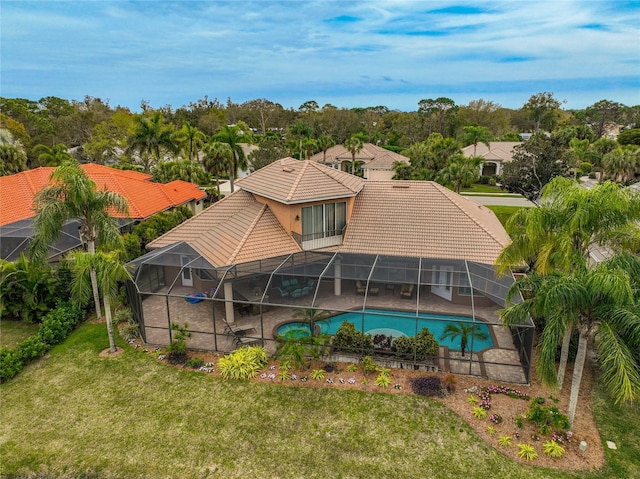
13,332
76,414
504,212
480,188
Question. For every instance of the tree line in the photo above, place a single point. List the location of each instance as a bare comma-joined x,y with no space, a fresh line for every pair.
202,141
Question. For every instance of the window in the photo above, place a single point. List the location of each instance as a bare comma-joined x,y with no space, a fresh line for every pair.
321,221
464,288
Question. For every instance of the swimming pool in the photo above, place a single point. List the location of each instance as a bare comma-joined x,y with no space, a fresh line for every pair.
392,323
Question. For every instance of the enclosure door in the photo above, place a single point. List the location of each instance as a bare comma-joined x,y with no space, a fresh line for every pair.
187,279
442,278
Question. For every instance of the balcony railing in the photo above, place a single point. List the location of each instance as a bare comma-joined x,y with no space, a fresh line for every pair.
319,240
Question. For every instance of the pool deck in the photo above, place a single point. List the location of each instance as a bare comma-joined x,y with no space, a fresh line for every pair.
500,363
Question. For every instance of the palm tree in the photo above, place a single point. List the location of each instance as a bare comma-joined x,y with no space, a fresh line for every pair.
620,164
310,316
52,156
463,331
354,146
233,136
578,152
599,302
218,157
192,140
461,171
300,130
559,234
109,271
473,135
72,195
150,138
324,143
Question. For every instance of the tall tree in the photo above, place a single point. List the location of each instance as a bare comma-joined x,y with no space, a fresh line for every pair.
542,110
439,114
13,158
621,164
151,139
191,139
354,146
324,143
300,131
472,135
599,302
109,272
218,158
73,195
603,115
52,156
185,170
535,163
460,171
559,235
234,136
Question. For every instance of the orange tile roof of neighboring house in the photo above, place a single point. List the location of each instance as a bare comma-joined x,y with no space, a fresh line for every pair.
372,155
497,151
236,229
291,181
422,219
145,198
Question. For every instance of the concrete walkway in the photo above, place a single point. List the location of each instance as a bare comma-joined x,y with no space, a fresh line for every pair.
499,200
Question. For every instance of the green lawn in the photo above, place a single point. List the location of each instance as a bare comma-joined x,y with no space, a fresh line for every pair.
76,414
13,332
479,188
503,212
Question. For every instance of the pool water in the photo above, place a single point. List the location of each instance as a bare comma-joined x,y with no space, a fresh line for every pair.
392,323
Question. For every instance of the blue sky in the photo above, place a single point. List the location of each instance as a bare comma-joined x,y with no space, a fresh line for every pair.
347,53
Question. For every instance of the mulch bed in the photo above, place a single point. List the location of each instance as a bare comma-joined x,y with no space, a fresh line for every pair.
584,428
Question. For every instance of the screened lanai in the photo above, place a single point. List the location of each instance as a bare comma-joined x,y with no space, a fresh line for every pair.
386,297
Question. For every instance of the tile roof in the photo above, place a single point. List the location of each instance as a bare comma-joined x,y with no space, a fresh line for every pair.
497,151
372,155
292,181
145,197
418,218
236,229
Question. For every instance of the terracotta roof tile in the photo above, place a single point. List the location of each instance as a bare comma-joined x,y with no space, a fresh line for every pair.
234,230
497,151
415,218
292,181
144,197
371,155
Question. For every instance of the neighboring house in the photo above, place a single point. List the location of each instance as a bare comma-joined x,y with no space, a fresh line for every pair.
375,162
495,156
145,198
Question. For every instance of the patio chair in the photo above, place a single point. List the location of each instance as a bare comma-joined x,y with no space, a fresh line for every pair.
360,288
245,340
407,291
235,329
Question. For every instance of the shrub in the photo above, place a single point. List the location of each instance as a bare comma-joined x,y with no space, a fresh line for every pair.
290,349
177,350
318,374
32,348
243,363
10,364
527,451
330,368
417,348
351,340
553,449
429,386
449,382
368,365
473,399
123,315
491,430
58,323
194,363
504,441
352,368
479,412
546,417
130,331
383,380
382,342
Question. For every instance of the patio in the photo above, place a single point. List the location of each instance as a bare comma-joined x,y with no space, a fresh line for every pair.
259,300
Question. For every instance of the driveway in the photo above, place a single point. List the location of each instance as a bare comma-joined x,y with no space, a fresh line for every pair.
499,200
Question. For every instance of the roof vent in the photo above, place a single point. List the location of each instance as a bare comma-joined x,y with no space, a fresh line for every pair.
287,169
401,185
